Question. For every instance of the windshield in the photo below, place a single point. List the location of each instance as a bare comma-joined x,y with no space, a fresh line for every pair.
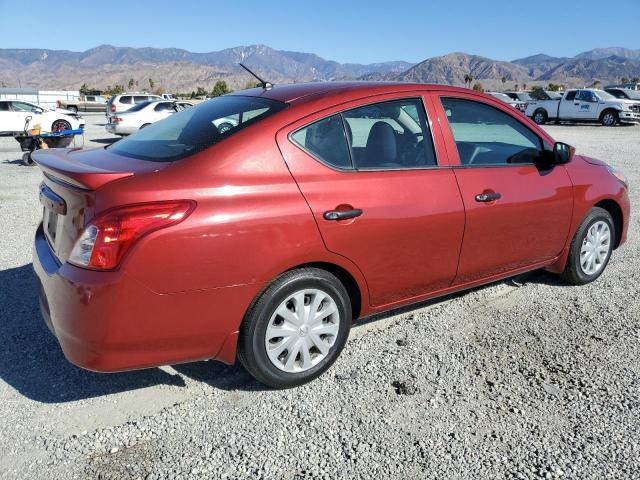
525,97
196,128
605,96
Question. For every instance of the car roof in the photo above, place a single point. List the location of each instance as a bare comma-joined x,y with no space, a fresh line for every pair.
302,92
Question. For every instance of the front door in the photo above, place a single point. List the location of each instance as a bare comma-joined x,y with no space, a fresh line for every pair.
379,196
517,214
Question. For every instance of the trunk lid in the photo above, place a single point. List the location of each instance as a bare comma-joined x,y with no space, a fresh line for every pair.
72,179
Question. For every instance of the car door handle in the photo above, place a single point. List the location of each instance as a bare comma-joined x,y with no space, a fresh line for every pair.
488,197
342,214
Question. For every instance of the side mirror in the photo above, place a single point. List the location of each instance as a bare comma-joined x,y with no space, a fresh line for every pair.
563,153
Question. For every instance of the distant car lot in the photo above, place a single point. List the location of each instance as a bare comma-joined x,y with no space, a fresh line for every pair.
466,384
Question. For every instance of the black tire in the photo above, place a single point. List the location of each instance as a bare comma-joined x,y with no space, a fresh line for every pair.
73,108
540,116
252,351
27,160
573,272
59,125
144,126
609,118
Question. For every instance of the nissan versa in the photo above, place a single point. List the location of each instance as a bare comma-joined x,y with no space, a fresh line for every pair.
324,203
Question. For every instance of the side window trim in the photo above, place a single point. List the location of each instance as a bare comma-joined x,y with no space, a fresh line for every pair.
352,169
440,96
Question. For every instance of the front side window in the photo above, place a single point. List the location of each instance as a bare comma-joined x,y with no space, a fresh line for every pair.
570,95
485,135
140,98
24,107
126,100
194,129
586,96
163,107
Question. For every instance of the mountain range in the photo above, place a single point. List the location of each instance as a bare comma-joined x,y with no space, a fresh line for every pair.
174,69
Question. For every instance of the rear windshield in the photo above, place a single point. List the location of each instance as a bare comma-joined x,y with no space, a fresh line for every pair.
138,107
196,128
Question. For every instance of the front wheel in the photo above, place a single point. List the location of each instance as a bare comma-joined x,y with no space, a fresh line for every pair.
610,118
295,330
590,248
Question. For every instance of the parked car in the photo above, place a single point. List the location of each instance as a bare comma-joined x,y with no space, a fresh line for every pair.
627,86
585,105
86,103
140,116
123,102
517,104
520,96
16,115
624,93
324,204
168,96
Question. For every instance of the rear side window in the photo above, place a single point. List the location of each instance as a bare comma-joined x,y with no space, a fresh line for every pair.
4,106
570,95
485,135
325,139
163,106
126,100
194,129
390,135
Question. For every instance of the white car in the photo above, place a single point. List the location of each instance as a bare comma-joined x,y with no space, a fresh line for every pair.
18,115
585,105
140,115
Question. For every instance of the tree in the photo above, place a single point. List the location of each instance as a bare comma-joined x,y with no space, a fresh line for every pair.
595,84
537,93
251,84
84,89
220,88
524,86
635,80
132,82
624,80
516,87
555,87
478,87
151,83
193,94
201,92
468,79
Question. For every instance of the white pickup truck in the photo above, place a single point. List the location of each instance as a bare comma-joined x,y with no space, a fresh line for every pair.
586,105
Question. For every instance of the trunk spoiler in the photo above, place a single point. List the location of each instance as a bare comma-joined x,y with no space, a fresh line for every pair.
80,171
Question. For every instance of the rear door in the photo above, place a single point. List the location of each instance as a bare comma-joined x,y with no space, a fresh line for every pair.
370,174
517,214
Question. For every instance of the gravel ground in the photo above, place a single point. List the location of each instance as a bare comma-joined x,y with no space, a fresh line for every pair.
521,379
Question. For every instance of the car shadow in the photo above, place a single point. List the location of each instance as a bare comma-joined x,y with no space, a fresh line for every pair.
32,362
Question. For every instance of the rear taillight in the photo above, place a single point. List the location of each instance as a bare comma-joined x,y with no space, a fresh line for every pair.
58,103
108,237
113,108
116,119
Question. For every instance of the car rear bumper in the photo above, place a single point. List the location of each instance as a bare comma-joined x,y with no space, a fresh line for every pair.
109,321
116,129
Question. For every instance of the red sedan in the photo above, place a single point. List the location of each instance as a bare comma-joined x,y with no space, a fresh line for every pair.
322,204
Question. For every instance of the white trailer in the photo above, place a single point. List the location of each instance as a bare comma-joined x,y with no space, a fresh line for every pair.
45,98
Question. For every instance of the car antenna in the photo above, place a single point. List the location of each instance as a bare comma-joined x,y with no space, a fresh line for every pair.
265,85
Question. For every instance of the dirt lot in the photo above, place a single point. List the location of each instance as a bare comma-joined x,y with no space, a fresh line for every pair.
523,379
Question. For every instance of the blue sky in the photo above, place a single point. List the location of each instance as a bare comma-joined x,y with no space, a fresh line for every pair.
346,31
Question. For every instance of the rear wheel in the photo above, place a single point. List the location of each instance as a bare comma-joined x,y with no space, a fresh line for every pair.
540,117
591,248
609,118
295,329
60,125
